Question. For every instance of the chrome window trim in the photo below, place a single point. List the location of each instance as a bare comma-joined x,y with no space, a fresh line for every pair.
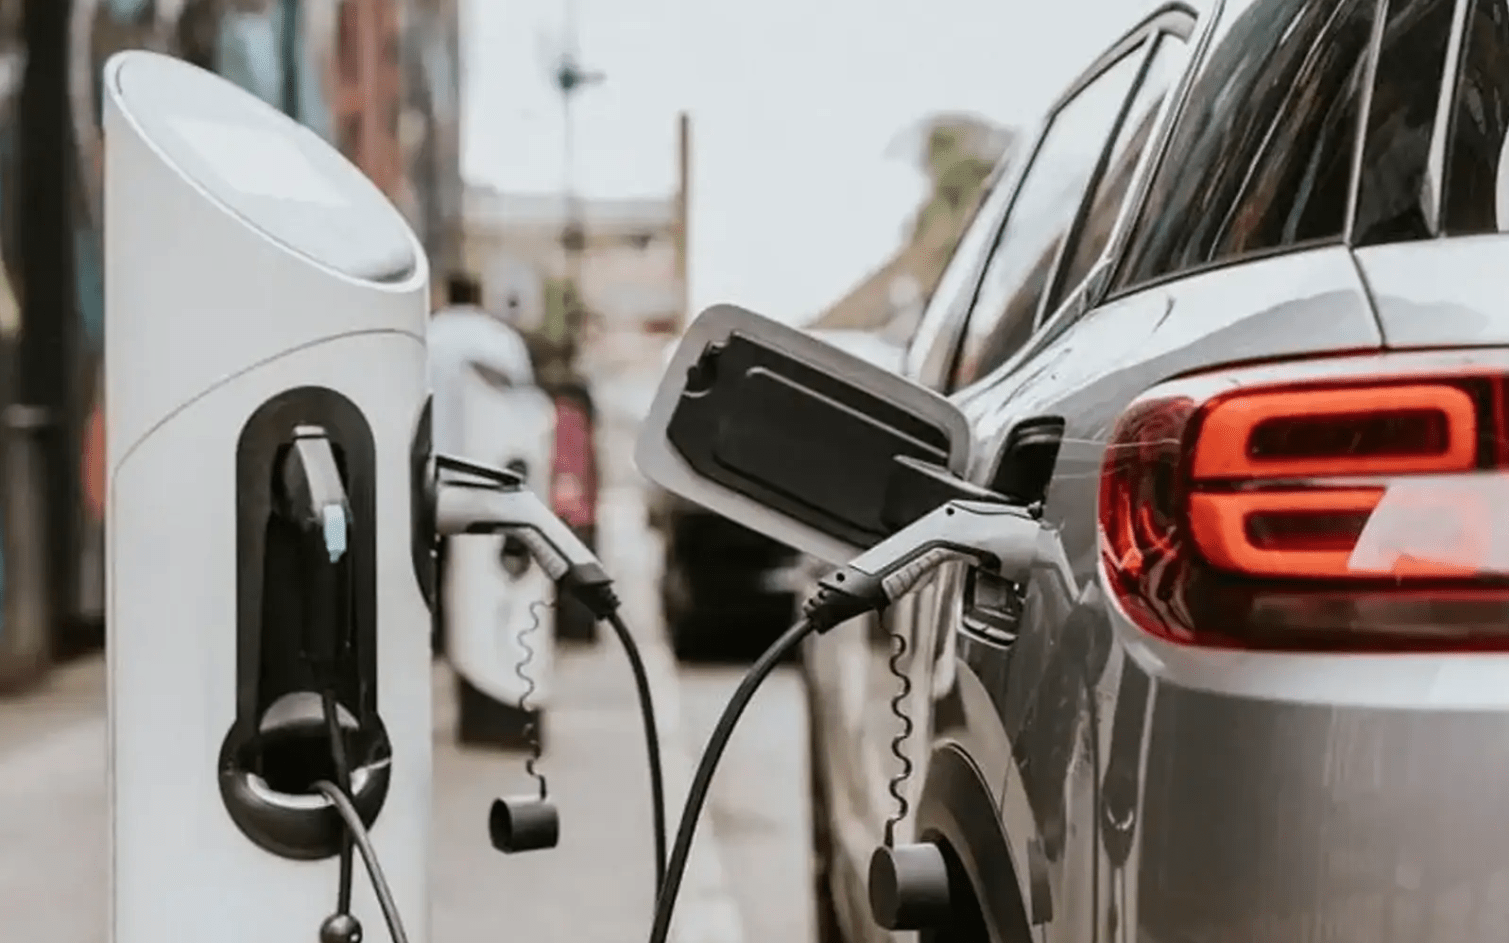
1099,285
1177,18
1432,188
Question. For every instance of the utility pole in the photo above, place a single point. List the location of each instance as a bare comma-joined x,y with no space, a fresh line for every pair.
570,79
42,428
684,213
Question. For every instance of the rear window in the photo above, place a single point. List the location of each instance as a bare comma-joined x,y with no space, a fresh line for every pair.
1476,195
1260,157
1391,201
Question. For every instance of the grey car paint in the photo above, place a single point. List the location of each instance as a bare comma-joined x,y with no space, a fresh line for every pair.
1436,293
1059,676
1152,792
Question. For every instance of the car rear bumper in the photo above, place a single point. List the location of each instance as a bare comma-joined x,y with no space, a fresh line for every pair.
1266,820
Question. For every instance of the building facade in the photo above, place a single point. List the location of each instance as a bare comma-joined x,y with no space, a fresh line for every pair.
629,270
368,90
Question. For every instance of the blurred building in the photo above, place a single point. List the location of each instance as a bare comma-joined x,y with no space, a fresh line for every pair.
429,130
368,100
957,153
631,279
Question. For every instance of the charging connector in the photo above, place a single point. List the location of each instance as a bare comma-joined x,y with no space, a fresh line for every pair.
477,499
1001,537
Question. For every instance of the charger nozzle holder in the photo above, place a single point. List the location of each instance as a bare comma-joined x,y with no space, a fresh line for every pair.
306,625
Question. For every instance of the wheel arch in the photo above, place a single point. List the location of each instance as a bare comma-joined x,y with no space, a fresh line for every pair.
957,810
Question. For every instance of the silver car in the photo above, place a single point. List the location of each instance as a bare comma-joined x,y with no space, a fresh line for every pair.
1237,326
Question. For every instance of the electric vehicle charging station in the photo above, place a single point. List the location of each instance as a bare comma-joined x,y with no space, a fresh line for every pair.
273,501
500,605
265,370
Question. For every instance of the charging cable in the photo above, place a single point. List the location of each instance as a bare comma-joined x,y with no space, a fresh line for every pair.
999,536
478,499
347,927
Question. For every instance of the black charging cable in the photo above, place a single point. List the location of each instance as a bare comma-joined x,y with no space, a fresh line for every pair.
342,926
363,841
652,740
702,780
603,603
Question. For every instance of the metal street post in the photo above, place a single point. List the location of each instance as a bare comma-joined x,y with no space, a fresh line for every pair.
42,475
570,78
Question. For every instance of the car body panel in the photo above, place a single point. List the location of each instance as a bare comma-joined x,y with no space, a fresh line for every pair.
1434,293
1051,685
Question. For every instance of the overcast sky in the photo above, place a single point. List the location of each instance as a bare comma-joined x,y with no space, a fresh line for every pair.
794,104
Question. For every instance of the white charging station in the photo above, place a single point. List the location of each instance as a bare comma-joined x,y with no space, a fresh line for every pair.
264,303
501,606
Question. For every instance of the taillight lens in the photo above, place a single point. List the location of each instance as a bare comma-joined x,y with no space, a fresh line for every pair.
1334,514
573,487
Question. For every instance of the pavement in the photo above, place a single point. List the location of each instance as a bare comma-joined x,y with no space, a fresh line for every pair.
749,879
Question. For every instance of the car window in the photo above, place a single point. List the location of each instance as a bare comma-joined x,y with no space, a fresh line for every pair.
927,355
1046,203
1401,120
1260,156
1476,195
1110,191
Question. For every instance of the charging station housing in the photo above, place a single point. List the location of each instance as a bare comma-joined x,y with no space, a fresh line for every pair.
260,293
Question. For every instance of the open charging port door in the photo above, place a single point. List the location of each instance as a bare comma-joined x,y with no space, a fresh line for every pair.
792,437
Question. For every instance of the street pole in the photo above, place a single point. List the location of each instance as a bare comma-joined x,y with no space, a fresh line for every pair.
684,213
42,429
571,78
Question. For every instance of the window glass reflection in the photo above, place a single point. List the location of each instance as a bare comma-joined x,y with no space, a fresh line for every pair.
1042,211
1111,189
928,350
1401,119
1476,196
1260,159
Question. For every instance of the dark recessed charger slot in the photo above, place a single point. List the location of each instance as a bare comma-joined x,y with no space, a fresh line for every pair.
306,625
804,443
292,749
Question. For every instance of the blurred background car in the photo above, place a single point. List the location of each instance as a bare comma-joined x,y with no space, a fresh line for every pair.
574,486
499,603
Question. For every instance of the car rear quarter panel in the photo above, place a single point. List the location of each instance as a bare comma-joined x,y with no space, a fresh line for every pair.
1064,690
1442,292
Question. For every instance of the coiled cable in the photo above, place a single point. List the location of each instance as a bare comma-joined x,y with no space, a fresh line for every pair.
897,666
526,700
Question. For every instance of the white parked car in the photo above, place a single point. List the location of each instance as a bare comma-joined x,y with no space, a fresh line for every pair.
497,605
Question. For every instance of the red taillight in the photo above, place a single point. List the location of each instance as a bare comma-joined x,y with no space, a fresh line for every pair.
1335,514
573,487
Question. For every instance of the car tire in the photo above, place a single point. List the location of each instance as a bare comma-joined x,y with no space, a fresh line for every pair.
487,723
574,622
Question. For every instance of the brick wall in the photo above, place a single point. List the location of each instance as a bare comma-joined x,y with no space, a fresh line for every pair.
369,90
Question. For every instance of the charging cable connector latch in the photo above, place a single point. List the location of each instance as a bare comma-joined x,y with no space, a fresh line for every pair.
475,499
1002,537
